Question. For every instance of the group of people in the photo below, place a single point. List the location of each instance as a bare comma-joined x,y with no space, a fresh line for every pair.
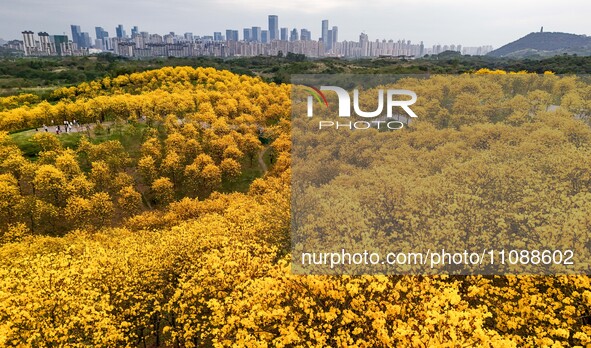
67,126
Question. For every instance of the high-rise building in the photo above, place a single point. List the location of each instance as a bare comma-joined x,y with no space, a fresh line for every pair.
76,34
328,42
101,34
217,36
169,38
135,31
85,41
29,42
156,39
256,34
45,45
284,34
189,37
335,36
305,35
81,39
273,27
294,35
138,40
247,33
62,45
99,44
120,31
324,34
364,43
231,35
265,36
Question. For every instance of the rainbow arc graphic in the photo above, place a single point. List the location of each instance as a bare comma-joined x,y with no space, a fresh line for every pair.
318,95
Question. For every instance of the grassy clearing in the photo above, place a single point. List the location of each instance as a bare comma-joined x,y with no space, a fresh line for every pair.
31,150
267,157
242,183
129,136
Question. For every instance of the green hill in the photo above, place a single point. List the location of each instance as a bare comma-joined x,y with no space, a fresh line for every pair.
545,44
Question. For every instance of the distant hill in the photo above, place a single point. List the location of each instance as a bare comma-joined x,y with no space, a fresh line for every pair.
545,44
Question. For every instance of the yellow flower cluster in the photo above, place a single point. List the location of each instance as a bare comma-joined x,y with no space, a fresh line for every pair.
161,255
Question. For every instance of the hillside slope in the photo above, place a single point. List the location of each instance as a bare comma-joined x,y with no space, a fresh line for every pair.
545,44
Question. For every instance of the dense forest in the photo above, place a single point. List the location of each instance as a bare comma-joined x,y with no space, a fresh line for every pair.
163,219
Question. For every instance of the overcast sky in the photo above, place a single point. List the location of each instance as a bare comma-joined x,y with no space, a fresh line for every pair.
466,22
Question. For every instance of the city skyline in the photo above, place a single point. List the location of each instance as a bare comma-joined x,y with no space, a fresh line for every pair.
430,21
255,41
81,36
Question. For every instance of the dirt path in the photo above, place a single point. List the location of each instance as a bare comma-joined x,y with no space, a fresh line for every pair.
262,163
75,129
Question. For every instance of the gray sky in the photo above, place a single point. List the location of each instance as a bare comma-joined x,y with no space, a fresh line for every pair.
466,22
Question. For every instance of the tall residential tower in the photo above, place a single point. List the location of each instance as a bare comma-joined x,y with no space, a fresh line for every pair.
273,27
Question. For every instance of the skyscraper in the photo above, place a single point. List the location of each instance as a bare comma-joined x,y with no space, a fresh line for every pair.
82,40
247,33
265,36
231,35
324,34
76,34
101,34
135,31
305,35
256,34
284,34
294,35
364,43
328,41
217,36
120,31
101,38
335,36
85,41
273,27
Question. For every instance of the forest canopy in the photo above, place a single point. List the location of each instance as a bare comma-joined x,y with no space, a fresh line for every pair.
166,223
